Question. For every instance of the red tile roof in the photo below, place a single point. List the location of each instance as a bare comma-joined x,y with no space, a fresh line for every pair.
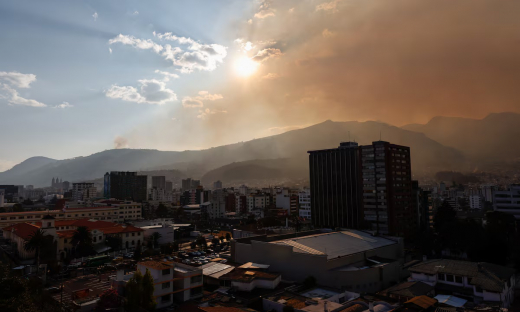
66,234
22,230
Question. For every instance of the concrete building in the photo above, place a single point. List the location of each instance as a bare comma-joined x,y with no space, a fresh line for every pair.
83,191
217,185
217,208
189,184
283,199
475,202
350,260
169,186
63,230
508,201
304,197
159,182
335,187
125,186
174,282
165,230
2,194
478,282
387,189
257,201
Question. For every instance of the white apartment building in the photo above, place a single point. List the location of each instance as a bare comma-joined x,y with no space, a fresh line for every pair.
283,199
83,191
304,197
508,201
157,194
257,201
174,282
475,202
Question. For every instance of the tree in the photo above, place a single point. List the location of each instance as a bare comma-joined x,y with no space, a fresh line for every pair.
15,293
309,282
155,238
201,241
161,211
114,242
108,300
36,242
17,208
228,236
138,251
82,241
139,292
288,308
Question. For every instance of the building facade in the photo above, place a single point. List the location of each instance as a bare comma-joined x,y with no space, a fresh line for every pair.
125,186
335,187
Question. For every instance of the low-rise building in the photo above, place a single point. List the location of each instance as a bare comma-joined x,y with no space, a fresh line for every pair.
350,260
475,281
174,282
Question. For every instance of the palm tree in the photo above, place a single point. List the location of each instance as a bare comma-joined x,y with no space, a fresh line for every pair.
82,240
36,242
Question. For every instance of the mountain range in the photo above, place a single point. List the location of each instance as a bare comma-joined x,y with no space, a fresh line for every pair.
444,143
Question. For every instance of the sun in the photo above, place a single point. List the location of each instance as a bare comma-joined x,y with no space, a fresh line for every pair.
245,66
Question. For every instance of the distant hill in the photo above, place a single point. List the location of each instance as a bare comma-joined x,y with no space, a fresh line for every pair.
427,155
492,139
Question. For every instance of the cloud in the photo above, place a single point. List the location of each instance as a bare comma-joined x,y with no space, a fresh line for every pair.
198,101
199,56
17,79
95,16
166,75
120,142
110,50
135,13
15,99
271,76
265,10
331,6
64,105
143,44
327,33
203,114
150,92
265,54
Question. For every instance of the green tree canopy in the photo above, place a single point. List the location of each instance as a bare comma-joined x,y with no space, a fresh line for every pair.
139,293
161,211
82,241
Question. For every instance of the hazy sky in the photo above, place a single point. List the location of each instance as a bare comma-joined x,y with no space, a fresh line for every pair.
78,77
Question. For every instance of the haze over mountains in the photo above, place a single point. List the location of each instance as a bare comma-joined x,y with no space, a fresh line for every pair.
444,143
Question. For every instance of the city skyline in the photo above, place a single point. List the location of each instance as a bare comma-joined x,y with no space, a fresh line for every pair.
101,75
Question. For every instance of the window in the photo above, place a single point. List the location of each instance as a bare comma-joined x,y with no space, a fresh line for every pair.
165,298
441,277
449,278
196,279
166,285
458,279
165,271
195,291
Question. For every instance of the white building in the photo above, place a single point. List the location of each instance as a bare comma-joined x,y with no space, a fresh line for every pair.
508,201
157,194
483,281
257,201
283,199
243,190
165,231
475,202
304,198
217,208
83,191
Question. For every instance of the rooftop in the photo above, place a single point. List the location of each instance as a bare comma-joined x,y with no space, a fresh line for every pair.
244,275
490,277
336,244
408,289
157,265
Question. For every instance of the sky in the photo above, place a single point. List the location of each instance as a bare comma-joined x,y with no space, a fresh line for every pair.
80,77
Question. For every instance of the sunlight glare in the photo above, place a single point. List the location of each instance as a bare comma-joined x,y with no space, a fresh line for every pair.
245,66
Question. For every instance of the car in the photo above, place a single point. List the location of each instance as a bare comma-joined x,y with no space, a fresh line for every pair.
53,290
197,253
204,261
198,263
169,258
202,253
184,261
223,261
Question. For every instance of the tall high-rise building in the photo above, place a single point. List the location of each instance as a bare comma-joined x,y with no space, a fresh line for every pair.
335,187
159,182
189,184
83,191
169,186
217,185
125,186
388,205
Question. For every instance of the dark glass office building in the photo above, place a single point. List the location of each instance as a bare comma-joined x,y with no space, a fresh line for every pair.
125,186
335,187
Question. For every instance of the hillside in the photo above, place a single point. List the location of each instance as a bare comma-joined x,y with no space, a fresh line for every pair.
491,139
427,154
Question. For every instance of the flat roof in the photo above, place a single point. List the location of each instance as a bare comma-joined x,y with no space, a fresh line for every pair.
336,244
